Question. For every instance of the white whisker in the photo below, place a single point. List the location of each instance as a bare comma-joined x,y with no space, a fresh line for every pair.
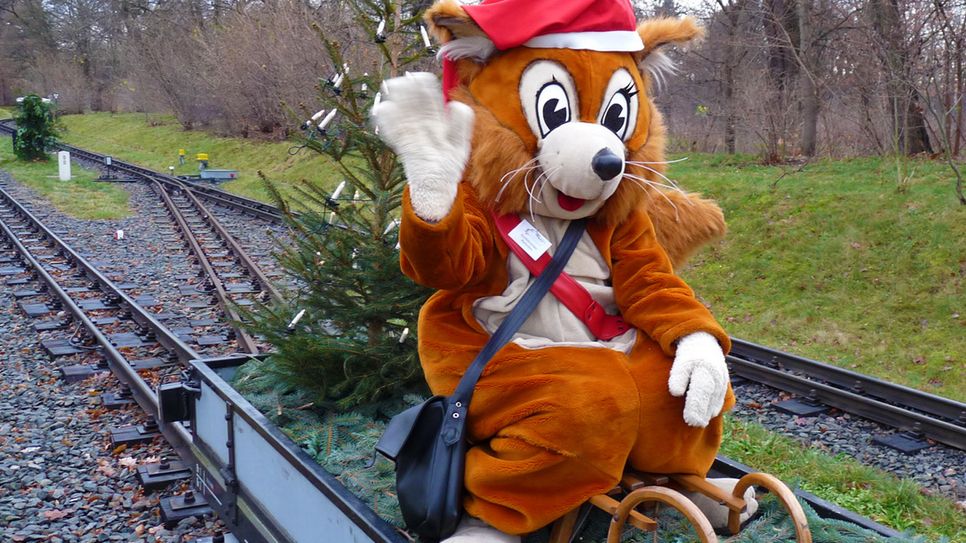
538,187
662,176
657,162
508,177
652,182
677,215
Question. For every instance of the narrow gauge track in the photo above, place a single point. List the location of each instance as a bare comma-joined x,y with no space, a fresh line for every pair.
132,339
897,406
232,275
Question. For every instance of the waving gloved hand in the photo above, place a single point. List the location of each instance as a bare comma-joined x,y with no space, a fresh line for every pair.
700,372
431,138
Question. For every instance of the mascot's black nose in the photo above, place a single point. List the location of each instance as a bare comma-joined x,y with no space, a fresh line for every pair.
606,164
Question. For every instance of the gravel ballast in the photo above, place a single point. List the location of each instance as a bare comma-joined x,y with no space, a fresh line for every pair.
60,479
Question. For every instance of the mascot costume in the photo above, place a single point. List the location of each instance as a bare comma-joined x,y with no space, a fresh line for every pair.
546,119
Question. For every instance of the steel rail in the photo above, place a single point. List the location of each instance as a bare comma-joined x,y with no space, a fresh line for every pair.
918,400
176,434
851,402
244,340
140,315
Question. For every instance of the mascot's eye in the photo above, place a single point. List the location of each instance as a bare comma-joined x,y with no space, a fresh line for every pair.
619,110
553,107
548,96
616,114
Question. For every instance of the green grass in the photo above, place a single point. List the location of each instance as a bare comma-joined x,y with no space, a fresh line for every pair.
6,112
835,264
898,503
154,140
81,197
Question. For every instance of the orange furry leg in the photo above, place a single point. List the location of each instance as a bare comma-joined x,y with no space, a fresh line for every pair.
665,444
557,425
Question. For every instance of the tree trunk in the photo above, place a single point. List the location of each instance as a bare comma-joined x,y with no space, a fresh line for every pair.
807,88
916,138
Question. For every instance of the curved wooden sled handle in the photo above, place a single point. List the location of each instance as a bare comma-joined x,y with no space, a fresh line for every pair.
784,495
666,496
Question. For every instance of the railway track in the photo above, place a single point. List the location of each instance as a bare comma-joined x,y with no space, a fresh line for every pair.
919,414
69,278
137,347
232,275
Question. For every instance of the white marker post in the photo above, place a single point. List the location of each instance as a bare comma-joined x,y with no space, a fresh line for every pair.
63,160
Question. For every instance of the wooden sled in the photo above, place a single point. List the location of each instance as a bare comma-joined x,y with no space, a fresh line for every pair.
642,488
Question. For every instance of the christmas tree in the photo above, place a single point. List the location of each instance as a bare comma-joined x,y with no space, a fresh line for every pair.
345,333
36,129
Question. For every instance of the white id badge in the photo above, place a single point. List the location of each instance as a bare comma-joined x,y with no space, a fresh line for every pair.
530,239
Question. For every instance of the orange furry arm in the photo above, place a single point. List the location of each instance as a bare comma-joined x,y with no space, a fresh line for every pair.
450,254
648,293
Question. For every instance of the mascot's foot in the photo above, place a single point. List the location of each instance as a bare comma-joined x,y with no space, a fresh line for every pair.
718,514
474,530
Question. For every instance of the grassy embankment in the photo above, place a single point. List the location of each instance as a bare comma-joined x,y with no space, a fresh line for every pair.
153,141
82,197
834,264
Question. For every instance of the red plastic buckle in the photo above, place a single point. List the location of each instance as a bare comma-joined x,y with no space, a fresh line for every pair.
602,325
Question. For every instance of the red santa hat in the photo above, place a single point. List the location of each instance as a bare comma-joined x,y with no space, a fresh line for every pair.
594,25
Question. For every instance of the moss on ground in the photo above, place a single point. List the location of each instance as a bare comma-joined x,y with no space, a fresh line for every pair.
82,197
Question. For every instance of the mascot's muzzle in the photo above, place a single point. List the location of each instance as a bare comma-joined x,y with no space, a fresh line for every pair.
583,164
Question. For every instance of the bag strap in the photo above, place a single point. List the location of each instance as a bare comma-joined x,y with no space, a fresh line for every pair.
570,293
458,402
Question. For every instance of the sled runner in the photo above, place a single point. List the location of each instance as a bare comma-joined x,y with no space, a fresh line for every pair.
624,504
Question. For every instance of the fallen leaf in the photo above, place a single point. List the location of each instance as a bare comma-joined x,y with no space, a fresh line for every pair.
128,462
119,449
107,470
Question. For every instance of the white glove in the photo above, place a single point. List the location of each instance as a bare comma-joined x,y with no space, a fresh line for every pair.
431,138
699,369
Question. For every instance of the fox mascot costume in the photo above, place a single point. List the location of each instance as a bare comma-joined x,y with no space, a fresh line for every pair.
547,118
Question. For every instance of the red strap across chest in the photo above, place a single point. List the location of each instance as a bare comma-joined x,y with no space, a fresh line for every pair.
570,293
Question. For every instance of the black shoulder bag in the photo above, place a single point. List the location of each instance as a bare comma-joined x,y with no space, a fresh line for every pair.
427,441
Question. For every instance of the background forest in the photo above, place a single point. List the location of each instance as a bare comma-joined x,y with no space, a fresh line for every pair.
777,78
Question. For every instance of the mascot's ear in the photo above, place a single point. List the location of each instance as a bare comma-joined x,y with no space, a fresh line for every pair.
658,33
460,35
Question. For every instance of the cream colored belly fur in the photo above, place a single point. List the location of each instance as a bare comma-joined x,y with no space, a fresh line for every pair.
551,324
